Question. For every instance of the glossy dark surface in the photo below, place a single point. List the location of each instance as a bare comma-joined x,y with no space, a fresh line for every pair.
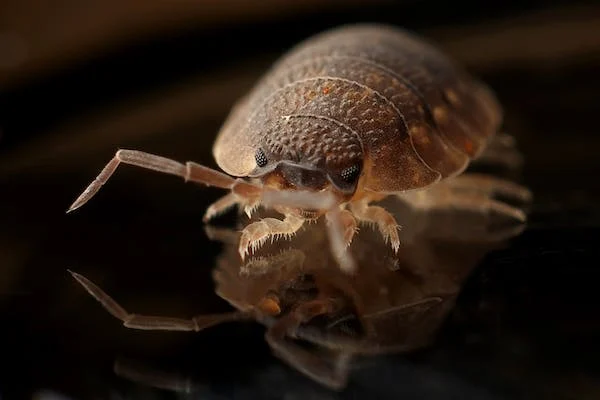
525,325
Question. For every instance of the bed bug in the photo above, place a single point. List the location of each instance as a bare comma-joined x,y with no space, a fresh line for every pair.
318,318
344,119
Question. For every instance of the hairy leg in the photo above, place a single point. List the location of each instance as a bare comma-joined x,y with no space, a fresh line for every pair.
146,322
350,226
244,193
340,237
338,221
255,234
379,216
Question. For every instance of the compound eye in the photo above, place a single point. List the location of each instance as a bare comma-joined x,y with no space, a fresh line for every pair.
261,158
350,174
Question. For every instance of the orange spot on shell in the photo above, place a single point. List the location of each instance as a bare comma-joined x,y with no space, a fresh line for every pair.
326,90
452,97
269,306
420,134
440,114
469,146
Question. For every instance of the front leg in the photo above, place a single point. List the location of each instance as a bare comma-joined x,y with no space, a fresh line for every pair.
384,220
255,234
190,171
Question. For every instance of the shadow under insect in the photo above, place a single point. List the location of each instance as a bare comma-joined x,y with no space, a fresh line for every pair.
319,318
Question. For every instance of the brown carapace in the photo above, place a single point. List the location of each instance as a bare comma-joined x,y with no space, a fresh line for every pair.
344,119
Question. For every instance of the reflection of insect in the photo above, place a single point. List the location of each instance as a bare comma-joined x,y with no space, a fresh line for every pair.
351,116
319,318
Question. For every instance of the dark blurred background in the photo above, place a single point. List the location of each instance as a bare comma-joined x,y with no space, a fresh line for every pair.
79,79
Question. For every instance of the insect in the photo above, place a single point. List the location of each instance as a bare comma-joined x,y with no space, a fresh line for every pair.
343,120
395,305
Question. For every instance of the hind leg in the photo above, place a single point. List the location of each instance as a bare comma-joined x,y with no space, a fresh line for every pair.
473,192
491,187
501,152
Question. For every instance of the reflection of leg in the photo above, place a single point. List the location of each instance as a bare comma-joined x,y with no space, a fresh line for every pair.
255,234
384,220
330,369
147,322
288,259
142,374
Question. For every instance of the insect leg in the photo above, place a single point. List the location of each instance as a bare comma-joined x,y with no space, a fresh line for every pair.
220,206
491,187
146,322
287,325
255,234
350,226
338,224
153,377
501,152
473,195
190,172
223,235
385,221
329,368
339,239
488,206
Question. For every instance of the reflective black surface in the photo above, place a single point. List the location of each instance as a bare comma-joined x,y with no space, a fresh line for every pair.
525,324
